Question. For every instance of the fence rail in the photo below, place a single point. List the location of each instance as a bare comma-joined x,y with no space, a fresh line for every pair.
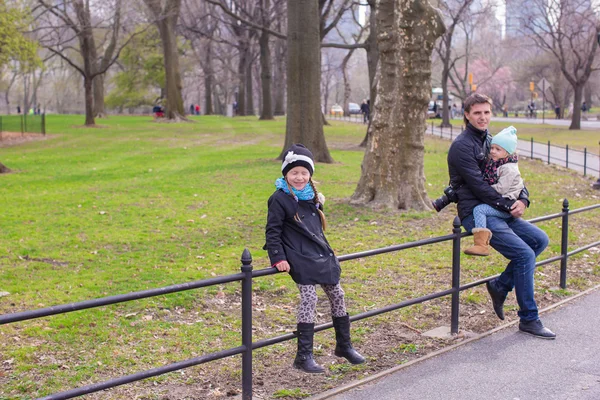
23,123
248,274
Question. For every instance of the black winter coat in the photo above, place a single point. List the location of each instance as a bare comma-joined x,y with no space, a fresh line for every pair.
302,244
466,161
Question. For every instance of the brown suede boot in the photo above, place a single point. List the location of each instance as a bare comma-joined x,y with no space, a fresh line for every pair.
481,237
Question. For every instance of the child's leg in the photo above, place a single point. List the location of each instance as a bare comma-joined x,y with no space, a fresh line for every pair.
335,293
308,304
482,235
341,324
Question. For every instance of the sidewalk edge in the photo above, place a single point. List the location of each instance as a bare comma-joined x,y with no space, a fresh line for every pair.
364,381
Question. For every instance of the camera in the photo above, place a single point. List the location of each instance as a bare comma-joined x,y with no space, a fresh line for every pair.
448,197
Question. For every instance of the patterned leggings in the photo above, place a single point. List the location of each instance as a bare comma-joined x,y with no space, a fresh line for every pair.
308,302
482,211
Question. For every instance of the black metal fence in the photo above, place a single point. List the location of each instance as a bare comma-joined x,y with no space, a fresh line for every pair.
23,123
246,277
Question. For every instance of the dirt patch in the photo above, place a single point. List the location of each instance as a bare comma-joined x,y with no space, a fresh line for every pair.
9,139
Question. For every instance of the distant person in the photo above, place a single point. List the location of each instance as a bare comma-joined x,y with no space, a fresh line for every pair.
505,109
365,109
454,111
296,243
158,111
31,111
584,110
39,111
557,111
197,109
192,109
235,107
18,109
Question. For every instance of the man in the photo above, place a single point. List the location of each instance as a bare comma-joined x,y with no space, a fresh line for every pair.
365,109
514,238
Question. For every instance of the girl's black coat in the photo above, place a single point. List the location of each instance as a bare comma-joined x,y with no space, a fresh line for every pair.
302,244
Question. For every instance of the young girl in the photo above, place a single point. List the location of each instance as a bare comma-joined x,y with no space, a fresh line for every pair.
502,173
296,244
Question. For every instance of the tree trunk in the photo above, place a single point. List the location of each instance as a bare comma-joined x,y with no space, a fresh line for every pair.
208,80
445,75
372,62
4,169
174,108
279,78
346,78
166,21
249,89
577,99
99,96
304,119
242,61
392,169
265,76
89,102
86,45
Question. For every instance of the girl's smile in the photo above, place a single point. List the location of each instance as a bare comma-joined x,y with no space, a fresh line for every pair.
298,177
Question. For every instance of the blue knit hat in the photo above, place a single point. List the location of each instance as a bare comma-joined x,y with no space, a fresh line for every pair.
507,139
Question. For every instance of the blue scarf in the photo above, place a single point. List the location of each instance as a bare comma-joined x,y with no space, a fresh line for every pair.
305,194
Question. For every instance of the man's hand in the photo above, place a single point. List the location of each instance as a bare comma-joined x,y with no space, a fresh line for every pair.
518,209
283,266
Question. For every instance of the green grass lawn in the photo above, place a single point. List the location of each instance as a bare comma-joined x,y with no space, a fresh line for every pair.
133,205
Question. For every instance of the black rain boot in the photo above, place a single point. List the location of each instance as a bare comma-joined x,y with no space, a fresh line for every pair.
304,357
343,347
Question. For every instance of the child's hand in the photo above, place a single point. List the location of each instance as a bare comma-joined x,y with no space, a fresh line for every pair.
282,266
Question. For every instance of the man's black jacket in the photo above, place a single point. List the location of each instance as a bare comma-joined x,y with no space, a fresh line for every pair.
466,160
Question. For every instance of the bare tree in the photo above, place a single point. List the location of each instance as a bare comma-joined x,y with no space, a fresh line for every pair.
392,169
568,30
455,11
62,24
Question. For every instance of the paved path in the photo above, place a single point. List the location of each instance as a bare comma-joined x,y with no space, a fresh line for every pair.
507,365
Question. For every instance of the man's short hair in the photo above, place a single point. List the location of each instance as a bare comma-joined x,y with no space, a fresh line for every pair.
475,98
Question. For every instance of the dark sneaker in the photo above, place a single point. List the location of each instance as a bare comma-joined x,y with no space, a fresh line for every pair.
537,329
498,298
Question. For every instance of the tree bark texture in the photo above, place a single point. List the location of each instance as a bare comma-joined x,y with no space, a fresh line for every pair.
392,170
304,119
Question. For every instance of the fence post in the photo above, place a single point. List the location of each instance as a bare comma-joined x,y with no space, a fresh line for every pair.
567,157
455,275
44,124
564,244
432,128
585,160
548,152
22,124
247,325
532,148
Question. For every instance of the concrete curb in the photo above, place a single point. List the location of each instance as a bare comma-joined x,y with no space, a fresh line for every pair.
333,392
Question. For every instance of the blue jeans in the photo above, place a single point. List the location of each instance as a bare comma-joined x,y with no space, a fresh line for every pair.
521,242
482,211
